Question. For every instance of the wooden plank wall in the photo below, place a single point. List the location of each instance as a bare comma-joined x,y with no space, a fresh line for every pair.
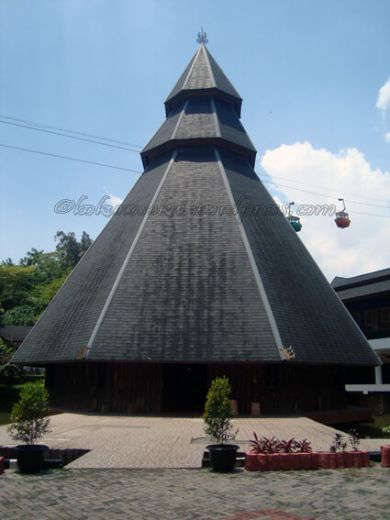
283,389
138,388
106,387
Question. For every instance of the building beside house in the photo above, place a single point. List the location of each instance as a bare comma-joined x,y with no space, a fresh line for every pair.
14,335
367,298
197,274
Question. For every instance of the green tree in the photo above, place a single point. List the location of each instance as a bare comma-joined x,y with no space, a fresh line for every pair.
69,249
29,414
27,288
218,411
21,315
32,257
5,352
16,283
7,262
43,293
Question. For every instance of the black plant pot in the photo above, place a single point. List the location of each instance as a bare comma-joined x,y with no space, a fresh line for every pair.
222,456
31,457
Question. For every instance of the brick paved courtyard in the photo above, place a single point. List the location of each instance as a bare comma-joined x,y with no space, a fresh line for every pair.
105,484
165,442
78,494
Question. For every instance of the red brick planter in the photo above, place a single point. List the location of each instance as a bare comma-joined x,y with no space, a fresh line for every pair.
350,459
340,459
316,460
327,460
357,459
385,456
280,461
347,459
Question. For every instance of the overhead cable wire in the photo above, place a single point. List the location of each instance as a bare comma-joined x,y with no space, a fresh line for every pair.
76,132
106,165
323,195
131,147
86,139
365,197
68,158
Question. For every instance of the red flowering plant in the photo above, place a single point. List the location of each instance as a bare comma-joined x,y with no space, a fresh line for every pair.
271,445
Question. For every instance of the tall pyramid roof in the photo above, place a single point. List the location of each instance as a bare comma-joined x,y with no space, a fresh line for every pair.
198,264
202,76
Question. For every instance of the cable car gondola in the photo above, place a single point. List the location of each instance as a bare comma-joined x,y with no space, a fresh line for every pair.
342,218
294,221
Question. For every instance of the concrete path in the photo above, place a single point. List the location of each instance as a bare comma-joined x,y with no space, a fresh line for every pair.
162,442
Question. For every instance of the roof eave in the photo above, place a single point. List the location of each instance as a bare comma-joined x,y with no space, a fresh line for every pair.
171,102
148,155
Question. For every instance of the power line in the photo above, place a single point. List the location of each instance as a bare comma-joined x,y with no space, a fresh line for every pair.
330,189
106,165
68,136
94,136
323,195
128,147
67,158
369,214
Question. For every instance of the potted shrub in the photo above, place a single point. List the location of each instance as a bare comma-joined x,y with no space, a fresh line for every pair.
217,416
29,423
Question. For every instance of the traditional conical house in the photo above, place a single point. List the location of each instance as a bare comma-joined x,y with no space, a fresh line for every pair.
198,274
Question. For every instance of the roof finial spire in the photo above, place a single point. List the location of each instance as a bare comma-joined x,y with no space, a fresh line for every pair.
202,36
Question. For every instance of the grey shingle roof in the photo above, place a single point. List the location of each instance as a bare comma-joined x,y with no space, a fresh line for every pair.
213,273
202,75
198,119
361,279
14,332
368,284
374,288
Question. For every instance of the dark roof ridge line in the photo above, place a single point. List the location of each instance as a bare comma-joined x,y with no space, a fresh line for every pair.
178,122
206,55
126,261
252,262
215,116
191,68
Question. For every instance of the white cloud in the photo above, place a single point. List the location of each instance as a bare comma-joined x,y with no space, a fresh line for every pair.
362,247
383,101
114,200
387,137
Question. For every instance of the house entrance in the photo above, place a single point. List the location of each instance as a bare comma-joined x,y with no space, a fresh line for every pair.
185,388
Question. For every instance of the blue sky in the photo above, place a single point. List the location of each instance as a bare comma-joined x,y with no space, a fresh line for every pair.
310,75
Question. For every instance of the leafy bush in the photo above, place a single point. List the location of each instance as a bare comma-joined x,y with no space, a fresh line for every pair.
354,440
303,446
21,315
338,443
10,374
5,352
218,411
29,414
272,445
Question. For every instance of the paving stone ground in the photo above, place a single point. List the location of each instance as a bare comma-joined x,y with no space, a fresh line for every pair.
133,442
183,494
104,484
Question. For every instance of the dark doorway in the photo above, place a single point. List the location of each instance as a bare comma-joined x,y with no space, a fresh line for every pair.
185,388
